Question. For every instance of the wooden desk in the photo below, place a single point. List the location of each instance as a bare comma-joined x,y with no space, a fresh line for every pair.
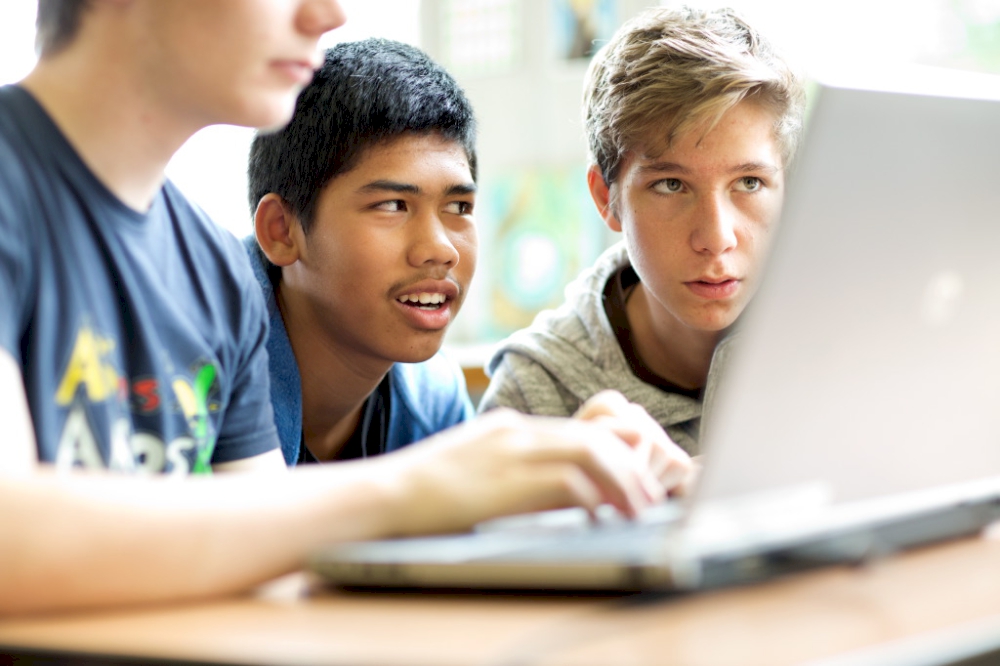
921,600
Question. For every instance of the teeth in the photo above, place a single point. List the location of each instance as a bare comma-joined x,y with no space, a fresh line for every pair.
423,299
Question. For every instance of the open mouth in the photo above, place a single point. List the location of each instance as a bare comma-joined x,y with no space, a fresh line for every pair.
424,301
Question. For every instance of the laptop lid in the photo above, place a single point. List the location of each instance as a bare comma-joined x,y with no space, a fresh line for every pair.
863,391
868,364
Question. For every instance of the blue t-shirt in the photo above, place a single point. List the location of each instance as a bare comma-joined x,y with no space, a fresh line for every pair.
140,336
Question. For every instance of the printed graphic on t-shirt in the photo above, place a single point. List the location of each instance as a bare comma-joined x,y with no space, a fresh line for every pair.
91,380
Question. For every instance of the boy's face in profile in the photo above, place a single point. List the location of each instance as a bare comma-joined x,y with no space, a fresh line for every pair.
696,217
392,249
235,61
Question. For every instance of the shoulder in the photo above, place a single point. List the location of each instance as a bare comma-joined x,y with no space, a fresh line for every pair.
20,160
431,395
32,191
207,241
566,355
591,281
222,281
578,330
521,383
436,379
17,116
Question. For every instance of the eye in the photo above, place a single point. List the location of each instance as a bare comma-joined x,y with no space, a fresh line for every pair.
668,186
750,183
393,206
459,207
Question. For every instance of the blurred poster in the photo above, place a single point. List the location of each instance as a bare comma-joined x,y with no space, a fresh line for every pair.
582,26
539,229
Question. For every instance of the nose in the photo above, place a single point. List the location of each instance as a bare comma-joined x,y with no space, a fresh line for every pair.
715,225
432,243
316,17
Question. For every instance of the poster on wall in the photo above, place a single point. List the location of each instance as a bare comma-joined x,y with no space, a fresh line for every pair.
583,26
539,228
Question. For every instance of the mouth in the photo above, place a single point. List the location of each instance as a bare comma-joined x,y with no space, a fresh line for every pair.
428,305
720,280
431,301
297,71
714,288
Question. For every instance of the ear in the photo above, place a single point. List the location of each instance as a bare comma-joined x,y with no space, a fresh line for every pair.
277,230
601,194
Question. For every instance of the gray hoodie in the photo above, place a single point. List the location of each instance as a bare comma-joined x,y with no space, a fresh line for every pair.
570,353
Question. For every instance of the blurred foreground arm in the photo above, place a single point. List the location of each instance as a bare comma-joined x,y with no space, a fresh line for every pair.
86,539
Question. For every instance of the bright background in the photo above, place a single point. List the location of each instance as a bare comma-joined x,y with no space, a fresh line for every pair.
522,64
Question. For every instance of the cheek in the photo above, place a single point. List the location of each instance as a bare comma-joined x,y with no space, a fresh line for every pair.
757,237
464,238
467,245
653,233
762,220
646,257
341,263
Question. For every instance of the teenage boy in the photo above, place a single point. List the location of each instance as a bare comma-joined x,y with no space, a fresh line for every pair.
691,119
132,336
364,248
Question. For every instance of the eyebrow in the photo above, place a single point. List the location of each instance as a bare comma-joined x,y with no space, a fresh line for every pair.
673,167
408,188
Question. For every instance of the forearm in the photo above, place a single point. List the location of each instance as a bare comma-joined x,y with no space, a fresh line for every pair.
98,539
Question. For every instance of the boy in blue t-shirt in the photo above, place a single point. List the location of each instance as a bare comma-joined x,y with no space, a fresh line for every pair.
365,246
132,337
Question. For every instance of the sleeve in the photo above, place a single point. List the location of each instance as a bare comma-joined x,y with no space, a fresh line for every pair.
519,383
248,425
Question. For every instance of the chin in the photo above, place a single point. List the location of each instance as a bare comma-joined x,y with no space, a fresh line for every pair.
418,353
414,356
713,324
268,114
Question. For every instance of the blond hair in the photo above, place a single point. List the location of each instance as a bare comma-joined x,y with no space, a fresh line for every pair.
669,70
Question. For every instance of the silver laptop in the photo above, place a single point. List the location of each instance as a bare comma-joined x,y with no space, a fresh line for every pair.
860,410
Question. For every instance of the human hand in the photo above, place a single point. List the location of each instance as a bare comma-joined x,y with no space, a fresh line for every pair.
632,423
504,463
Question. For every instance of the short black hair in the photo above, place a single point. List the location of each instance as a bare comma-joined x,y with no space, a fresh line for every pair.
367,93
57,23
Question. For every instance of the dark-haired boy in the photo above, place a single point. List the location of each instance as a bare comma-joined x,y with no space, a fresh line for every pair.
364,247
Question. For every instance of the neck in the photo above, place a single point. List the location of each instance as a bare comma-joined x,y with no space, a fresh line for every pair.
111,118
671,350
336,381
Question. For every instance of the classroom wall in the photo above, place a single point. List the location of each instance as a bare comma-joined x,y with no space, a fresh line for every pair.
537,225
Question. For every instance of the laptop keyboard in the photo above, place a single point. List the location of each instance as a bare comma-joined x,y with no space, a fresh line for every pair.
578,520
566,534
572,535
